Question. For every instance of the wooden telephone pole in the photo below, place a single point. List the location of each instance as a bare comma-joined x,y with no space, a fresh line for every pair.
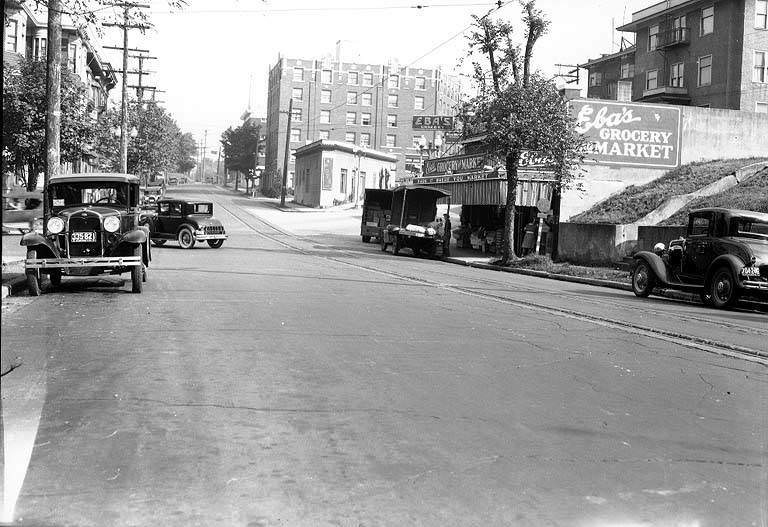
53,97
287,152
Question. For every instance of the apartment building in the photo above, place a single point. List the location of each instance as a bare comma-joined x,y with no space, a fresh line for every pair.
25,34
370,105
709,53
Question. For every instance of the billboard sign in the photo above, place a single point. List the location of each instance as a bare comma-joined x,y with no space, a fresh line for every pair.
433,122
451,164
622,133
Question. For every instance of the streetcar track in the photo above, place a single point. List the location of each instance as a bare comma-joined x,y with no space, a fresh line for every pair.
682,339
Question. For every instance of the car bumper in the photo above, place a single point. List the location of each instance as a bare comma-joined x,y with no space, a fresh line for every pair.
97,261
754,285
204,237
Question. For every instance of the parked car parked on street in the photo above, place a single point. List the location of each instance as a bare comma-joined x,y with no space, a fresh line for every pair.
23,211
723,255
186,222
92,227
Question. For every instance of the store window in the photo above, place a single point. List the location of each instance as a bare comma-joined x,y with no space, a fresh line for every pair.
366,99
325,116
705,70
418,103
367,79
298,74
651,79
351,97
365,119
326,76
676,77
391,121
392,101
421,83
761,14
351,117
325,96
365,139
297,94
353,77
761,67
707,20
391,140
653,37
295,135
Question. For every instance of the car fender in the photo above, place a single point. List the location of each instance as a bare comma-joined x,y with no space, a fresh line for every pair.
190,225
44,247
133,237
656,264
729,260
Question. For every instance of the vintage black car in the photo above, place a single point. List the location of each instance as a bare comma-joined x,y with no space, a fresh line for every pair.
186,222
723,255
92,227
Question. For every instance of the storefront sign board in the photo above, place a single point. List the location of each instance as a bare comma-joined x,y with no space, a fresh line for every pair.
432,122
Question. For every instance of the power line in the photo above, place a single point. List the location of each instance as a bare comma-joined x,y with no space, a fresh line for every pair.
311,10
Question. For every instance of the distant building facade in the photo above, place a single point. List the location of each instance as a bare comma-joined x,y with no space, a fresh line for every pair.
709,53
369,105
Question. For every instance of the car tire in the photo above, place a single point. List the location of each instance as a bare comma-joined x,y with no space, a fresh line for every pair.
723,290
159,243
33,277
366,239
55,277
215,244
137,272
643,279
186,238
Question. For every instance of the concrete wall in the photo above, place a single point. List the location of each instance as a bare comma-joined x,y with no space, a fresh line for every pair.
648,236
596,243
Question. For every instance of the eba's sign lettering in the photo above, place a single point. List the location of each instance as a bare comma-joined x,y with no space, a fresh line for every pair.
432,122
629,134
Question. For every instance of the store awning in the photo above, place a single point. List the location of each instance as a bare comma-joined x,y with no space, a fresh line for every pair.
531,187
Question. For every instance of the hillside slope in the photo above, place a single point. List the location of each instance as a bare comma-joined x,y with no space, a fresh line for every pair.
637,201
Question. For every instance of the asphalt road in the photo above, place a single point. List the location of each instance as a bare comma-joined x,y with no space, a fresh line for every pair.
299,377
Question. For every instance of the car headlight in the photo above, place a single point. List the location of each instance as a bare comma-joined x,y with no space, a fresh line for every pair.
55,225
111,223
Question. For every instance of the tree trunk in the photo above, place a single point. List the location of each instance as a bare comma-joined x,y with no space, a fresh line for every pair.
555,227
32,175
508,248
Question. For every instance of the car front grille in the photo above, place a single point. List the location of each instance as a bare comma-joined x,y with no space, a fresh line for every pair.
87,224
214,229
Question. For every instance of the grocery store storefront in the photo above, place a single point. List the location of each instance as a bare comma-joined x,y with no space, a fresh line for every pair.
482,193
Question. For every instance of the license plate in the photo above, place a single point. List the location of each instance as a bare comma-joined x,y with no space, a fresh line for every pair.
83,237
750,271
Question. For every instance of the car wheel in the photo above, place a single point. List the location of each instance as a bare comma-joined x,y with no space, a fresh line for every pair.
396,245
186,238
136,272
33,277
215,244
55,277
366,239
159,243
722,288
643,279
706,298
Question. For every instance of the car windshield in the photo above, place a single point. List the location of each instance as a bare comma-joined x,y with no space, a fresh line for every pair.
91,193
750,228
202,208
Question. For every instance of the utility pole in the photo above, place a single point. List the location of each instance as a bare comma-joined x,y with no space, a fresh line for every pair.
124,100
205,146
218,166
287,152
53,96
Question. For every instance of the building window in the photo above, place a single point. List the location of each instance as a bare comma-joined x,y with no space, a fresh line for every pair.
325,134
707,20
326,76
365,139
676,77
298,74
392,101
627,70
394,81
343,182
596,79
651,79
293,155
421,83
296,115
391,140
761,67
351,97
353,78
325,116
72,58
761,14
761,107
351,117
367,99
295,135
705,70
12,35
40,49
297,94
653,37
678,28
418,103
391,121
349,137
365,119
367,79
416,140
325,96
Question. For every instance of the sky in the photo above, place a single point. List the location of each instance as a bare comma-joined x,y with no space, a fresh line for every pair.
213,56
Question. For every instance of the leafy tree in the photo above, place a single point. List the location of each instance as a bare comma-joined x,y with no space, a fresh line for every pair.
240,146
24,107
520,110
187,148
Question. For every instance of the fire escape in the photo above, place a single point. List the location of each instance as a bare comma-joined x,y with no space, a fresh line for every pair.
673,34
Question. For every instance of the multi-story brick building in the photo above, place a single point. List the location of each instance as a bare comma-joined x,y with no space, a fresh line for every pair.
711,53
370,105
